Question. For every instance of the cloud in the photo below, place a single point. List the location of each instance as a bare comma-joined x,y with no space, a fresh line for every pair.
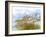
19,12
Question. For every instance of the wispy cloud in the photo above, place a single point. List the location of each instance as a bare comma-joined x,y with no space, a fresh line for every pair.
18,12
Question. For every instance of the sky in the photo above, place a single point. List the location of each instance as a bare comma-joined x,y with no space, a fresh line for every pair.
18,12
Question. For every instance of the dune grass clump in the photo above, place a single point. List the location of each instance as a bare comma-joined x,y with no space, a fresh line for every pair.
26,23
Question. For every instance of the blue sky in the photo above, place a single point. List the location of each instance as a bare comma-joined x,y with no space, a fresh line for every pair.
19,12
